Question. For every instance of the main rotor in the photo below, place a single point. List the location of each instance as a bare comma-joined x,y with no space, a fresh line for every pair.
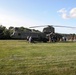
52,26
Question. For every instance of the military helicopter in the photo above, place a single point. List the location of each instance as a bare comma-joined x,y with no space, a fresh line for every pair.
48,33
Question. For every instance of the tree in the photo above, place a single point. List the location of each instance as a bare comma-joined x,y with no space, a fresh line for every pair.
2,28
6,34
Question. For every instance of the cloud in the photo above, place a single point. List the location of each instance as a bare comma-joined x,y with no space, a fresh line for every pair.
65,14
73,13
62,10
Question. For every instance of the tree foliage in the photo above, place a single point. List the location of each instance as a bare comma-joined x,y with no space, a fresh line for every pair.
2,28
4,32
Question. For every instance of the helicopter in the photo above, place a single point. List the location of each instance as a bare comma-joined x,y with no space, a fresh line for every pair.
48,33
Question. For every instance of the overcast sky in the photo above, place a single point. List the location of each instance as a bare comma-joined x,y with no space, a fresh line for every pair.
28,13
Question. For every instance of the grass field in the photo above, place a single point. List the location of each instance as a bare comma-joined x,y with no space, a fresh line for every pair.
18,57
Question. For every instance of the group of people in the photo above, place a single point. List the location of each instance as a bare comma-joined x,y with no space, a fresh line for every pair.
52,39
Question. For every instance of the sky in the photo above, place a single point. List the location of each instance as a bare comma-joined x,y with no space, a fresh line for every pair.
27,13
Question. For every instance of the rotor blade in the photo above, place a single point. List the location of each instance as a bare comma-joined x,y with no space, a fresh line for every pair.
52,26
38,26
64,26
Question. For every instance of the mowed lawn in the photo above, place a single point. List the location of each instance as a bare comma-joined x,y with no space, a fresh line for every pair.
18,57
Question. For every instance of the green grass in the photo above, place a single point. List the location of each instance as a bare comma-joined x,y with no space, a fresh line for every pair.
18,57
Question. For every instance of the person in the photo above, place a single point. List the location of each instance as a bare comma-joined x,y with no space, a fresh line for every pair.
30,39
27,38
64,39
